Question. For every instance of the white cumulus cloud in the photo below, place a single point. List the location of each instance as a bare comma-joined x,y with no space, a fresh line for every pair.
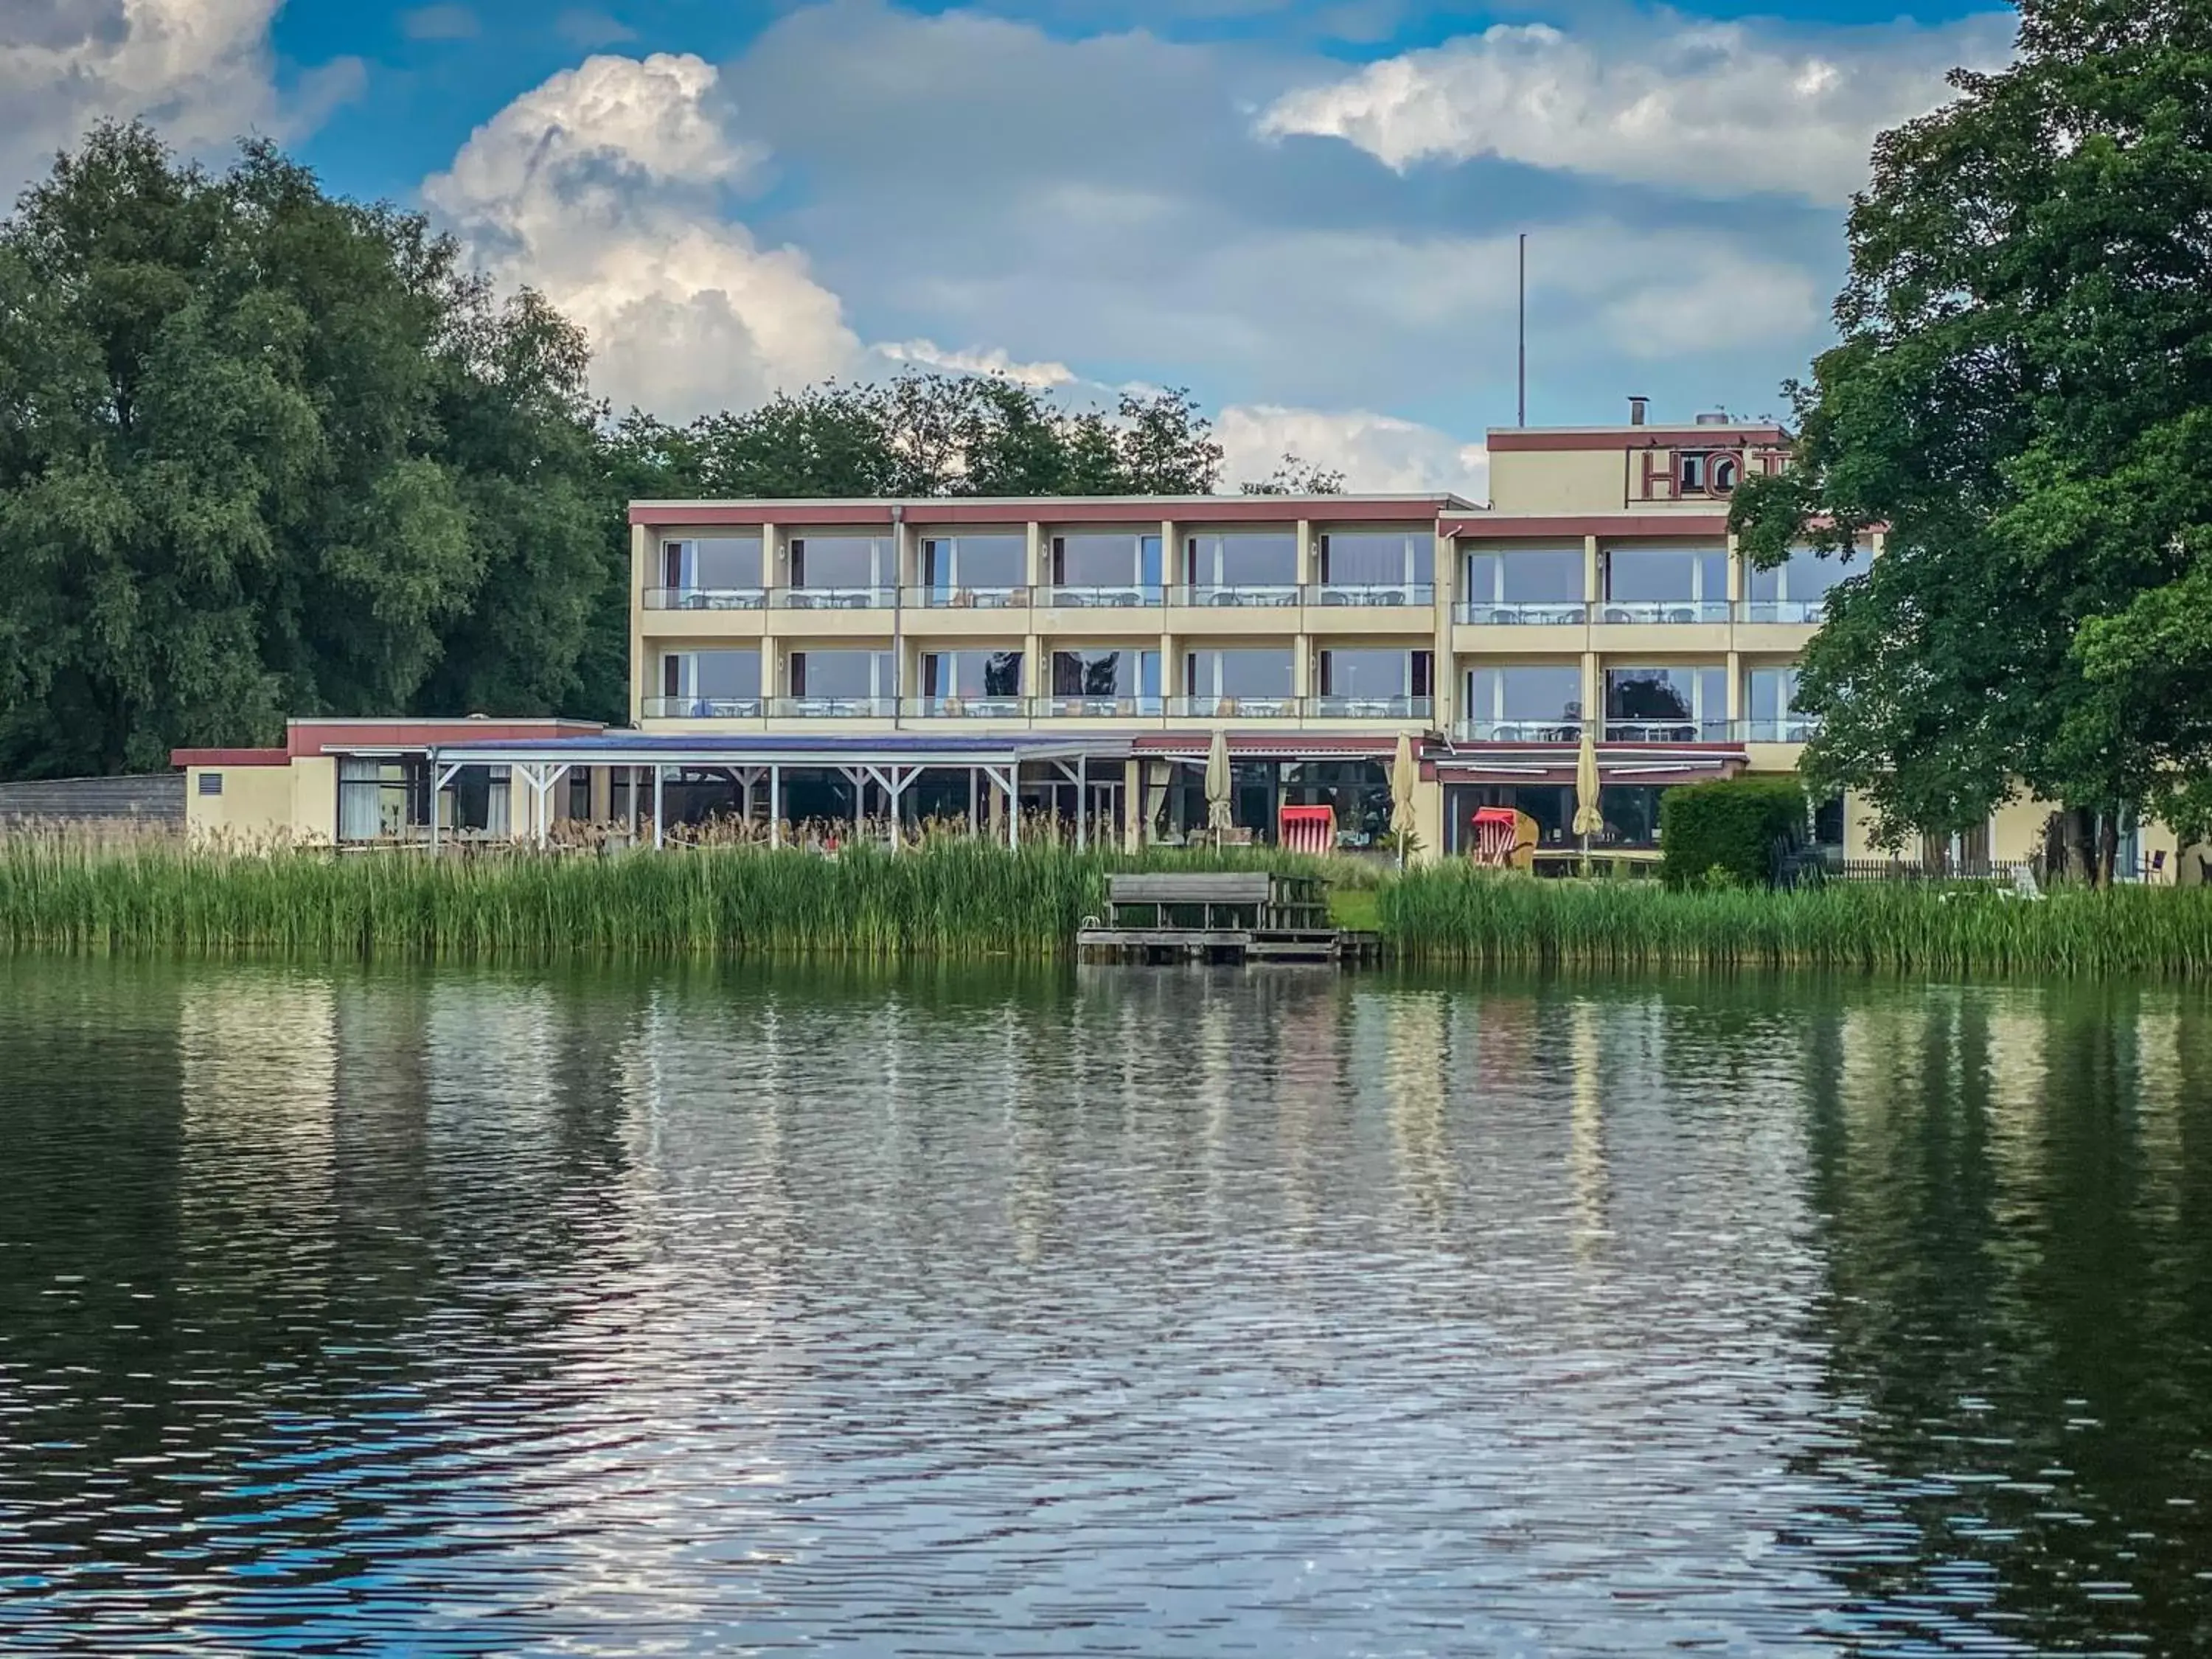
602,188
1379,453
1707,109
928,355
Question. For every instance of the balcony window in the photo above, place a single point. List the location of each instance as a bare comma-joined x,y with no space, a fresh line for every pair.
976,682
1245,567
1377,683
1364,566
981,570
1525,704
1534,584
707,684
1665,585
1255,681
1666,704
1109,567
715,564
840,681
831,572
1769,703
1794,591
1107,680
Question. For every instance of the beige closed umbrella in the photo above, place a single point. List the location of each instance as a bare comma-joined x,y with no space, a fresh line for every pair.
1405,779
1217,786
1589,820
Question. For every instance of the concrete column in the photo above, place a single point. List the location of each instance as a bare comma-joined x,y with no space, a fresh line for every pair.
1444,671
1309,566
1593,572
1593,695
1734,688
1133,805
1036,678
641,549
767,578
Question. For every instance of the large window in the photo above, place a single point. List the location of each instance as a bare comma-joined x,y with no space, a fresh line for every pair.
981,682
1525,704
840,681
1794,592
1524,584
1665,583
1359,790
850,567
1106,680
1666,704
387,797
1391,566
1243,568
711,564
979,570
1233,680
1378,681
1770,703
707,684
1107,568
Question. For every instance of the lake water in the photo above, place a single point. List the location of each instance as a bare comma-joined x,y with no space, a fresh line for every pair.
1130,1312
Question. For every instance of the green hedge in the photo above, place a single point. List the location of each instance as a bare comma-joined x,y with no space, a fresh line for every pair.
1731,826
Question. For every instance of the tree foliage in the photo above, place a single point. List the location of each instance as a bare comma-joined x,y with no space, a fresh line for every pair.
2021,405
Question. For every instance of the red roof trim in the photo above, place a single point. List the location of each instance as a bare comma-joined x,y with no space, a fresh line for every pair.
230,757
1537,442
1611,526
1226,509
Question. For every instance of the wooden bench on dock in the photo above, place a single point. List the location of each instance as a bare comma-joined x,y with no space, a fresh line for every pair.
1221,916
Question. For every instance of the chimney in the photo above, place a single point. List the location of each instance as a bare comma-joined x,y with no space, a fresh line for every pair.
1713,417
1636,407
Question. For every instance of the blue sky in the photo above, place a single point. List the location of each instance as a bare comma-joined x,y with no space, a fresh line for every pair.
1305,211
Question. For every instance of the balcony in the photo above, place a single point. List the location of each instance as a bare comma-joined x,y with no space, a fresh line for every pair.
1680,730
706,599
1372,708
1104,707
1226,708
832,598
1562,730
832,709
1806,612
703,708
1482,614
966,598
1270,596
1790,728
971,709
1663,611
1372,594
1114,595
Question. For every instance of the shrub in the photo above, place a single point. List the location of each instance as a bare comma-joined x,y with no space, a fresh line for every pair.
1730,828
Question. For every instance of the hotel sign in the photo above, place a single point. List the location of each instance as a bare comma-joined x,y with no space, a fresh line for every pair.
1689,473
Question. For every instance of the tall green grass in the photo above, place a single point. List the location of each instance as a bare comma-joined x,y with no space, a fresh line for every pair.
947,899
1456,914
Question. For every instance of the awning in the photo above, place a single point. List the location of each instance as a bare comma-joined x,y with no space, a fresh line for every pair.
1554,763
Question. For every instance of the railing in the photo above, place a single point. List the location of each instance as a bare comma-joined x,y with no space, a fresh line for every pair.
832,598
832,707
1790,728
1264,595
705,598
1222,708
973,708
1663,611
1668,730
966,598
1371,708
1482,614
703,708
1562,730
1111,596
1102,708
1778,610
1363,593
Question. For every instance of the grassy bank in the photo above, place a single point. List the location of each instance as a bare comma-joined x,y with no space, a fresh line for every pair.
953,899
1452,914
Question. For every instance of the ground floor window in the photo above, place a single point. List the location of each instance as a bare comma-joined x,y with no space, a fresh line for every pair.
387,797
1631,811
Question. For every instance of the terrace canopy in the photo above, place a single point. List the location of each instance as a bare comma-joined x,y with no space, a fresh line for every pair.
892,761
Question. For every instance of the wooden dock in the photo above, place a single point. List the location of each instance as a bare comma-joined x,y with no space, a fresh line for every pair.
1229,920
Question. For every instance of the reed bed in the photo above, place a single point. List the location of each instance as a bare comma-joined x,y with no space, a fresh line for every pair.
948,898
1453,914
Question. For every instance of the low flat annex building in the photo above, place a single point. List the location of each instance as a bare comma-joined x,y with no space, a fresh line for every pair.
951,658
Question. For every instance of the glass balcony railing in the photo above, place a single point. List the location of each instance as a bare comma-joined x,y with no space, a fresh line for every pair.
1669,730
1263,595
1111,596
1102,707
832,598
969,708
965,599
1371,708
1806,611
704,709
1400,594
705,598
1223,708
1482,614
1788,728
1662,610
832,707
1565,728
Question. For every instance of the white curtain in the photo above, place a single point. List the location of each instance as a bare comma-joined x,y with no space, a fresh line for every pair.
360,799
